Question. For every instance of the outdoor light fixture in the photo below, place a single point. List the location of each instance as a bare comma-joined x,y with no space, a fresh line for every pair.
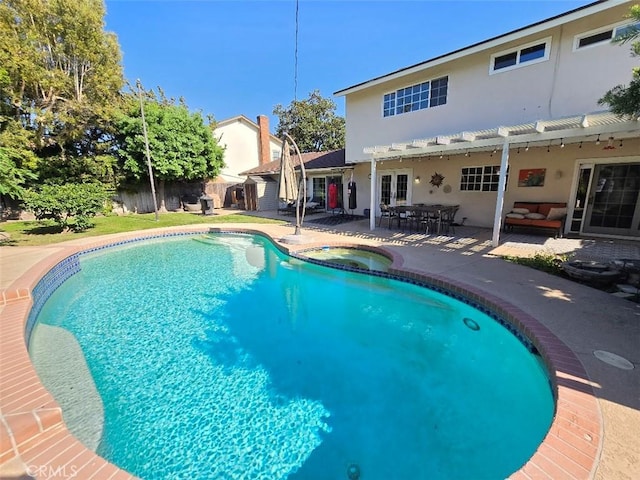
417,179
598,140
549,147
518,150
441,155
561,143
580,146
620,143
609,144
467,154
526,149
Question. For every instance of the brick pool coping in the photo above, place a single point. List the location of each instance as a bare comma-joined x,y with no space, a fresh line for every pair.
34,439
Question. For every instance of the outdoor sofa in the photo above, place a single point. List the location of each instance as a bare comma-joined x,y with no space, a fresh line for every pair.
537,216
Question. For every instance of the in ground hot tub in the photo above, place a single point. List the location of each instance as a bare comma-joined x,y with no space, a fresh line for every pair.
350,257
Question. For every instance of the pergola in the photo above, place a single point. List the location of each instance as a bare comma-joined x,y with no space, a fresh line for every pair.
598,126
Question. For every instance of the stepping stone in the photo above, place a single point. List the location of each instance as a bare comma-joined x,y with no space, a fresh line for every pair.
628,289
624,295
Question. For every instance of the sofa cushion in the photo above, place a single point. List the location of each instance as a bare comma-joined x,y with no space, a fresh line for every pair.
556,213
545,207
515,215
532,207
521,211
535,216
527,222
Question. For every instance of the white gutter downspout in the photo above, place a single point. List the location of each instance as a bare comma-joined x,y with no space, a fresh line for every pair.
372,206
502,182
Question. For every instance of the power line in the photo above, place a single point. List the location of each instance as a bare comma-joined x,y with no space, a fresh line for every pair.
295,68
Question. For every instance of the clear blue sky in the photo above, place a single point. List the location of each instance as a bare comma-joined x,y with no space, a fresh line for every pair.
237,57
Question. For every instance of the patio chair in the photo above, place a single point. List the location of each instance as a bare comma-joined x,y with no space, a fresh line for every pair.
386,212
422,221
447,219
404,219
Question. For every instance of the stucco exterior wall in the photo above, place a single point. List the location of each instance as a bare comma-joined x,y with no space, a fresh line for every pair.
568,83
241,147
241,141
479,207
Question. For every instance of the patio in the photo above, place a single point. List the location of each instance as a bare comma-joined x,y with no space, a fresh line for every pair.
584,319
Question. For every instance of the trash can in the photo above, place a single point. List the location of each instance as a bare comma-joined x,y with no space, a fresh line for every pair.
206,202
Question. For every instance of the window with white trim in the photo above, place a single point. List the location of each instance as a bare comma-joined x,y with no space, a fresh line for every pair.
529,54
480,179
604,35
416,97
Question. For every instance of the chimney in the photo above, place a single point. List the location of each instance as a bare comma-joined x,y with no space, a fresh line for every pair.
264,148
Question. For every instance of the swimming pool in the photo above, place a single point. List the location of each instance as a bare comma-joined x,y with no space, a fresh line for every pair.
228,358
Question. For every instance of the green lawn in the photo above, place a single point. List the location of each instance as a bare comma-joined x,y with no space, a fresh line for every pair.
42,233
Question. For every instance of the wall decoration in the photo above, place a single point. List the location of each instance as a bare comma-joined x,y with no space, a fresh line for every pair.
436,179
531,177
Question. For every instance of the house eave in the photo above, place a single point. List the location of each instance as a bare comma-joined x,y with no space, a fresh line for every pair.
575,129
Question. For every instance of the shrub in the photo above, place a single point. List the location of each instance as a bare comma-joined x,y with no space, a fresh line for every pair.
70,206
545,261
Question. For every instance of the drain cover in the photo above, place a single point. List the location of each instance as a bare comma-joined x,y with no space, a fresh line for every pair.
613,359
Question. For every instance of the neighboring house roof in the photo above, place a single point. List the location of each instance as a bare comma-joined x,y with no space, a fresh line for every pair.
312,161
248,121
487,44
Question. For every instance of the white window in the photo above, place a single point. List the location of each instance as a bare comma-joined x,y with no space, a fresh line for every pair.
529,54
275,155
480,179
416,97
604,35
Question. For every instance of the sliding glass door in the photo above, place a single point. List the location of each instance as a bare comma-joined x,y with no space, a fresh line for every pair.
613,200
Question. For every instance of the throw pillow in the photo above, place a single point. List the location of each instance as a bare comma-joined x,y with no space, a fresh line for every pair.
515,215
522,211
535,216
556,213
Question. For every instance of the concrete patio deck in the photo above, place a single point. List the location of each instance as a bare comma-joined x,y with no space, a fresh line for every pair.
582,318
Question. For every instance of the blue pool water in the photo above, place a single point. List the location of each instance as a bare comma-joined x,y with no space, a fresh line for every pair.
220,357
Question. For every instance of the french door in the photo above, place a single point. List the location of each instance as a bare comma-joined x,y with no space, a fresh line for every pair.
613,200
394,187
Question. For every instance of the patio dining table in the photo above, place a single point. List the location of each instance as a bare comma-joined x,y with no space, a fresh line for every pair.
438,215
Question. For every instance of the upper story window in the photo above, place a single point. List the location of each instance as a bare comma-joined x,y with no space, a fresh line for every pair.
525,55
604,35
416,97
275,155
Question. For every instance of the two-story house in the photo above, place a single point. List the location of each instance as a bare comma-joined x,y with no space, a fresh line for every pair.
247,144
491,116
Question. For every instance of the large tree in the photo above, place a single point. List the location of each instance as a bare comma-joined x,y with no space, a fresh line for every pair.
625,100
312,123
181,145
17,160
60,74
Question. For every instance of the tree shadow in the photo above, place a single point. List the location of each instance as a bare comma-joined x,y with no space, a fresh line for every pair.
43,230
